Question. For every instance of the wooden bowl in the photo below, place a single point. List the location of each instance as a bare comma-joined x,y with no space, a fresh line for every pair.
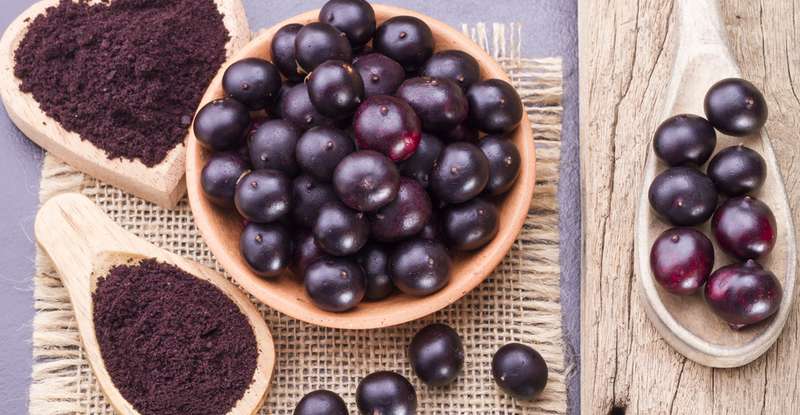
222,228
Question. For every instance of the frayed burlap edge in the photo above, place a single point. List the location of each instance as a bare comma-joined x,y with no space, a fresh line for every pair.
520,302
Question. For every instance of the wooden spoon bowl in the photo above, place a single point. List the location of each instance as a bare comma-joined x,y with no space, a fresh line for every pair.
84,244
221,228
687,323
163,183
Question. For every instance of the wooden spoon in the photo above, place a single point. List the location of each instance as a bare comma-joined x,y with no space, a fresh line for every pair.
687,323
163,184
84,244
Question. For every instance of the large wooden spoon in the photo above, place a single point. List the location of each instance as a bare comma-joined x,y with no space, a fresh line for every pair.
163,184
85,244
686,323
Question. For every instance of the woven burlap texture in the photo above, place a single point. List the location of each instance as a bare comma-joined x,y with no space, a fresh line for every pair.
519,302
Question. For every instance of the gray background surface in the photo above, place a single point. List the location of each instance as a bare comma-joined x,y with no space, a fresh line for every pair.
549,29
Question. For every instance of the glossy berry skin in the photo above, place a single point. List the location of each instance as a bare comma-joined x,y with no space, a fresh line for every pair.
455,65
374,260
388,125
335,284
296,107
341,231
463,132
321,149
736,107
381,74
219,177
355,18
403,217
743,294
471,225
318,42
744,227
386,393
335,89
683,196
737,170
267,248
264,196
222,124
460,173
685,139
272,146
366,180
253,82
439,103
407,40
305,252
283,54
309,195
420,165
681,260
420,267
433,229
321,402
520,371
494,106
504,163
437,355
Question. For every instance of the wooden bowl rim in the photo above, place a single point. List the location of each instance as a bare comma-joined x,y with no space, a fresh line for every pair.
381,314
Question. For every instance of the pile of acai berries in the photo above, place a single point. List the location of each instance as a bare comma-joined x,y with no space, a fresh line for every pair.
682,258
356,156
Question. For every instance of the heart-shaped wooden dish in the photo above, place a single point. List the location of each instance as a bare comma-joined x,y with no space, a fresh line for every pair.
162,184
687,323
221,228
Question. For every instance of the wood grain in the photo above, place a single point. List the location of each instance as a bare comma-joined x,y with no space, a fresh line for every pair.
84,244
627,53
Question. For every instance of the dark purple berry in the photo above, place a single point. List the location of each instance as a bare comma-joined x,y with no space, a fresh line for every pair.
420,267
520,371
388,125
335,284
737,170
420,165
267,248
437,355
504,163
222,124
335,89
321,402
494,106
366,180
296,107
253,82
685,139
381,74
386,393
455,65
318,42
272,146
683,196
219,177
407,40
471,225
745,228
736,107
460,173
439,103
374,260
308,197
355,18
681,260
405,216
341,231
321,149
283,54
264,196
305,252
743,294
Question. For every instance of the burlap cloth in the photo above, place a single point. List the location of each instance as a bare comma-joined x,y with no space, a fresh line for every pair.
520,302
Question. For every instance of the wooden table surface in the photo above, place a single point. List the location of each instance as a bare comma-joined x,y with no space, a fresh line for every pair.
626,57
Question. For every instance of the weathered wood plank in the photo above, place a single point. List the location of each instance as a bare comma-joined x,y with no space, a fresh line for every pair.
626,55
